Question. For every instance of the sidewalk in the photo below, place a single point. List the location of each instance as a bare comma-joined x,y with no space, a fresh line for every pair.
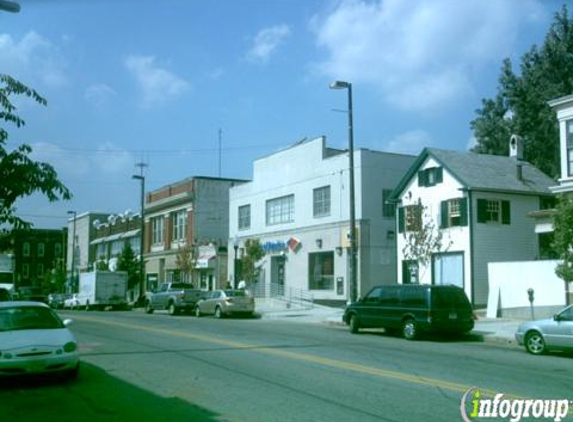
489,330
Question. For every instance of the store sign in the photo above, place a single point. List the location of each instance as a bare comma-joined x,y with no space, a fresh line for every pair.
279,246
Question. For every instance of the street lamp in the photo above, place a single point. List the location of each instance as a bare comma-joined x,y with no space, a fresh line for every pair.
353,265
73,281
141,178
236,248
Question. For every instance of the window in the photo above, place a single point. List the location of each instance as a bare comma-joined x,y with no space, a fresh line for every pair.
570,148
179,221
135,243
101,251
321,271
58,249
410,218
454,213
373,296
430,176
157,230
321,202
493,211
40,270
390,296
26,249
41,249
546,202
116,247
280,210
244,217
388,210
25,270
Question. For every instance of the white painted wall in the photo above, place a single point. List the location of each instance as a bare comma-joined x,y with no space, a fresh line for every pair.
431,197
512,279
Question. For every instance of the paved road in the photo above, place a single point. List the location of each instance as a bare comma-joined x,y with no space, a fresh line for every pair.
156,367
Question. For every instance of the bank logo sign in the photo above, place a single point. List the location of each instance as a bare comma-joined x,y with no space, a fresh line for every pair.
475,407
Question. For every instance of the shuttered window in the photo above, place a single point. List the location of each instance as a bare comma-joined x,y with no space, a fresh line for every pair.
493,211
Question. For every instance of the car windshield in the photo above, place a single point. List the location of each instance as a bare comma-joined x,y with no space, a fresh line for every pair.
28,318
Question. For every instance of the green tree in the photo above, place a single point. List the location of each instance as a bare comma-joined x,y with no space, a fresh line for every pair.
253,253
101,264
127,262
21,176
520,105
185,260
563,240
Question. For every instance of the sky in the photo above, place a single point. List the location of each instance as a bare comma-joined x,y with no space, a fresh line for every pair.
162,82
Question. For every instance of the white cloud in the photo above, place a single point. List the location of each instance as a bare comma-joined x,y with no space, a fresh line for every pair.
411,142
65,162
99,94
420,54
266,42
33,59
157,84
110,159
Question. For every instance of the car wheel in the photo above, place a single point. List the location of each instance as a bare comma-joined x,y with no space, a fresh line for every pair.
148,308
354,324
172,309
535,343
218,312
410,329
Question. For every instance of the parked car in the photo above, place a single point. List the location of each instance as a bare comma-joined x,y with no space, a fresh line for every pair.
412,309
56,300
72,302
225,302
547,334
32,293
174,297
34,340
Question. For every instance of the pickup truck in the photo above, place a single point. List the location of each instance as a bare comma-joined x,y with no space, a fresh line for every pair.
173,297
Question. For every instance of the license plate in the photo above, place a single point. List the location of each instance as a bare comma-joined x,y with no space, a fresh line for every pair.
453,315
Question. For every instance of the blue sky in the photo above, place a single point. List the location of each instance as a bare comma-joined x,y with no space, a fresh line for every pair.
133,80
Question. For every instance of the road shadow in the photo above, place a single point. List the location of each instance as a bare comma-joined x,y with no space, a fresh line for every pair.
94,396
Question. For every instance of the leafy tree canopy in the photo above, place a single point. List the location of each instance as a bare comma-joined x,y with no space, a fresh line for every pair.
20,175
520,105
128,262
253,253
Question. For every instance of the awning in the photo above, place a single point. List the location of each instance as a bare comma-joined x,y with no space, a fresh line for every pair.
130,233
204,259
97,241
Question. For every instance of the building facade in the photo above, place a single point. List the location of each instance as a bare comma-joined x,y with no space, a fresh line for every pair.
188,222
297,207
37,253
479,205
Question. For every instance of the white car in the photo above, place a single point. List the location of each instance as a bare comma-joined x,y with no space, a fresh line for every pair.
72,302
34,340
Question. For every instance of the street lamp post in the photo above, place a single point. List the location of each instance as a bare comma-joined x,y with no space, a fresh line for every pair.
141,178
236,248
352,237
73,281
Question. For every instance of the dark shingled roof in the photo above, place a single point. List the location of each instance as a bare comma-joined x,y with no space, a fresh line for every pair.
483,172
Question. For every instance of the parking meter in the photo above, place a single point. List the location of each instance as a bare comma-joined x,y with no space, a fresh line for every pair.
531,297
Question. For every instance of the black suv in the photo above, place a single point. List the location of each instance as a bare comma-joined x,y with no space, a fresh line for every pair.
412,309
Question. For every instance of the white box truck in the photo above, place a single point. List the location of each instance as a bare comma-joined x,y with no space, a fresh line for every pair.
103,289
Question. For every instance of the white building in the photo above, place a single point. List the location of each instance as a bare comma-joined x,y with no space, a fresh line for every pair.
297,205
480,204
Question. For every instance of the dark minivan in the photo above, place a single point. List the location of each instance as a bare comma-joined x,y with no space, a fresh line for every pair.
412,309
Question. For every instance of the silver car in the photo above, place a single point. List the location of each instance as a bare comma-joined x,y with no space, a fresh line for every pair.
553,333
225,302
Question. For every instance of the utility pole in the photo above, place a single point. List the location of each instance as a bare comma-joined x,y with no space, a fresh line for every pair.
141,178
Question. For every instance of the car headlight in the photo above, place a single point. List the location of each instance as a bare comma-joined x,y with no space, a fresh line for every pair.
70,347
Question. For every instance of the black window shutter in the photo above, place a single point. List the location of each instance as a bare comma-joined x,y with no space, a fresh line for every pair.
444,214
505,212
401,220
422,178
463,211
482,210
439,175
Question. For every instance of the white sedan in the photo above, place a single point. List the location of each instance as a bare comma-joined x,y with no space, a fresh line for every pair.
34,340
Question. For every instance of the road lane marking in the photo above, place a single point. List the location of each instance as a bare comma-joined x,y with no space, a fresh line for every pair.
271,350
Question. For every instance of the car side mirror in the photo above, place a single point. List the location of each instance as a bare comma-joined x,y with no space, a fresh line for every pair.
556,317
